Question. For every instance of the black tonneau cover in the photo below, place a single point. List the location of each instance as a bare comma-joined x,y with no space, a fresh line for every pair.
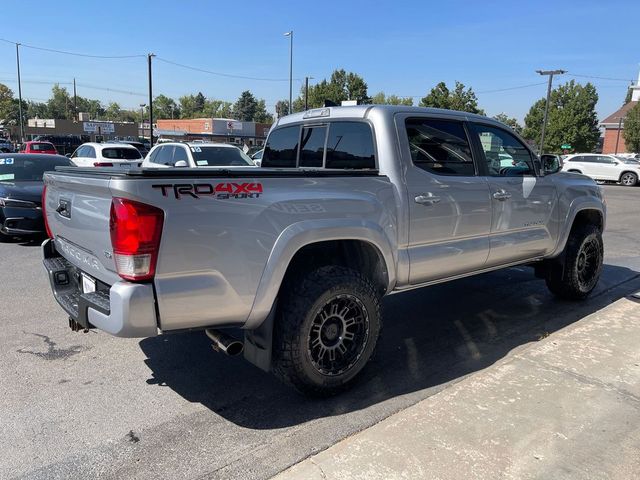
215,172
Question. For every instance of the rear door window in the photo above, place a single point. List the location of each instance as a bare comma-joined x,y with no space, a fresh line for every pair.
440,146
180,154
164,156
281,150
350,145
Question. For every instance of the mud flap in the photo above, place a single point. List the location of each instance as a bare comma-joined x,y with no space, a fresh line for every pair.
258,343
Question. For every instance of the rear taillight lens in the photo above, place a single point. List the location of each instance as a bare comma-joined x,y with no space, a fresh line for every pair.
44,212
135,237
102,164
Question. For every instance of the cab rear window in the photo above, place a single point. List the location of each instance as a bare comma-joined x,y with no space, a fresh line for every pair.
343,145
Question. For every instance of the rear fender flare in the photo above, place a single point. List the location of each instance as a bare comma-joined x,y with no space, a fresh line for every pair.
300,234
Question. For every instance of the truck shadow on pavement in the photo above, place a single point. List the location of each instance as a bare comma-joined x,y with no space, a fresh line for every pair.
431,336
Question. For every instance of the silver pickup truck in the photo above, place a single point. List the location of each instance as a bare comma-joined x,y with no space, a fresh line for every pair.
350,204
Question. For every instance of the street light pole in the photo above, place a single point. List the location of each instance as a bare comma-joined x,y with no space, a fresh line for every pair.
149,57
75,102
20,94
550,73
142,105
290,35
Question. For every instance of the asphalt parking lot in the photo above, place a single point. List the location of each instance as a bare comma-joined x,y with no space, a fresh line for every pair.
80,405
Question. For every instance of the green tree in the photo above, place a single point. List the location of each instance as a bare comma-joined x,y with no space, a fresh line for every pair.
246,107
461,98
627,98
261,115
509,121
381,99
37,110
341,86
165,107
218,109
60,104
282,107
631,132
113,112
199,103
9,111
187,106
572,118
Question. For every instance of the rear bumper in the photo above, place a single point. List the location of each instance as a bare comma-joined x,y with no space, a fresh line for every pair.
123,309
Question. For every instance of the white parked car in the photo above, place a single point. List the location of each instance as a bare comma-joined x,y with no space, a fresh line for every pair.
196,154
604,167
119,155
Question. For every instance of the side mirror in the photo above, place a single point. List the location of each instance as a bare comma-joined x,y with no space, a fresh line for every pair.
551,164
181,163
68,155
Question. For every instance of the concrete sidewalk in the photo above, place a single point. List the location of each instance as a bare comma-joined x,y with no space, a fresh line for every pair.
565,407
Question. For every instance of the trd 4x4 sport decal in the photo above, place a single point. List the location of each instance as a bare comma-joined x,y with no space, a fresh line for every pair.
220,191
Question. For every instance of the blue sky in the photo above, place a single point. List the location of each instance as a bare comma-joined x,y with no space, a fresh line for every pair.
401,48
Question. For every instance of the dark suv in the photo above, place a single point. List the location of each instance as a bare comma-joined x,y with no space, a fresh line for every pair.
65,144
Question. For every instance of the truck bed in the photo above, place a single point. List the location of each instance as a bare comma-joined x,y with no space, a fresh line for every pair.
228,234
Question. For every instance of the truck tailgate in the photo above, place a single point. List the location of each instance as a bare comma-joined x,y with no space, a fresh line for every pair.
77,209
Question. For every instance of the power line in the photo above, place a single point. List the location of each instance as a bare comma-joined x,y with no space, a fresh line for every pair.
64,52
220,74
513,88
600,78
83,85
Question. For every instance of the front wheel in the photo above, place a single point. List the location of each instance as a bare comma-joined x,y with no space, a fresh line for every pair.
628,179
326,331
583,254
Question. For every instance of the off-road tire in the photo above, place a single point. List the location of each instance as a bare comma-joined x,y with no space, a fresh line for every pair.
302,307
573,282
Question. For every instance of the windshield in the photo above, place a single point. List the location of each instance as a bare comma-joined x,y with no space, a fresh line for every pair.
119,153
212,156
29,169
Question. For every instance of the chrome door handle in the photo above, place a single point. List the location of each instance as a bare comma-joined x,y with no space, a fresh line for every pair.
501,195
427,199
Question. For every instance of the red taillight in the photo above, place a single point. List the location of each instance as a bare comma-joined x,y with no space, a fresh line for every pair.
102,164
44,212
135,237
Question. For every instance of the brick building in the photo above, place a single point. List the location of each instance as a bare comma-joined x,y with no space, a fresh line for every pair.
614,124
224,130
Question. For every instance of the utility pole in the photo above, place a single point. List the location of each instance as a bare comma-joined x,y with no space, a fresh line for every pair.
149,57
20,94
306,93
618,135
550,73
290,35
75,102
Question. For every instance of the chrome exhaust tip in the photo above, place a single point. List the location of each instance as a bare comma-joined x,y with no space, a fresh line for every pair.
224,343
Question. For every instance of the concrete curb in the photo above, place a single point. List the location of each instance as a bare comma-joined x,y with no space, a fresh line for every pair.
567,406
